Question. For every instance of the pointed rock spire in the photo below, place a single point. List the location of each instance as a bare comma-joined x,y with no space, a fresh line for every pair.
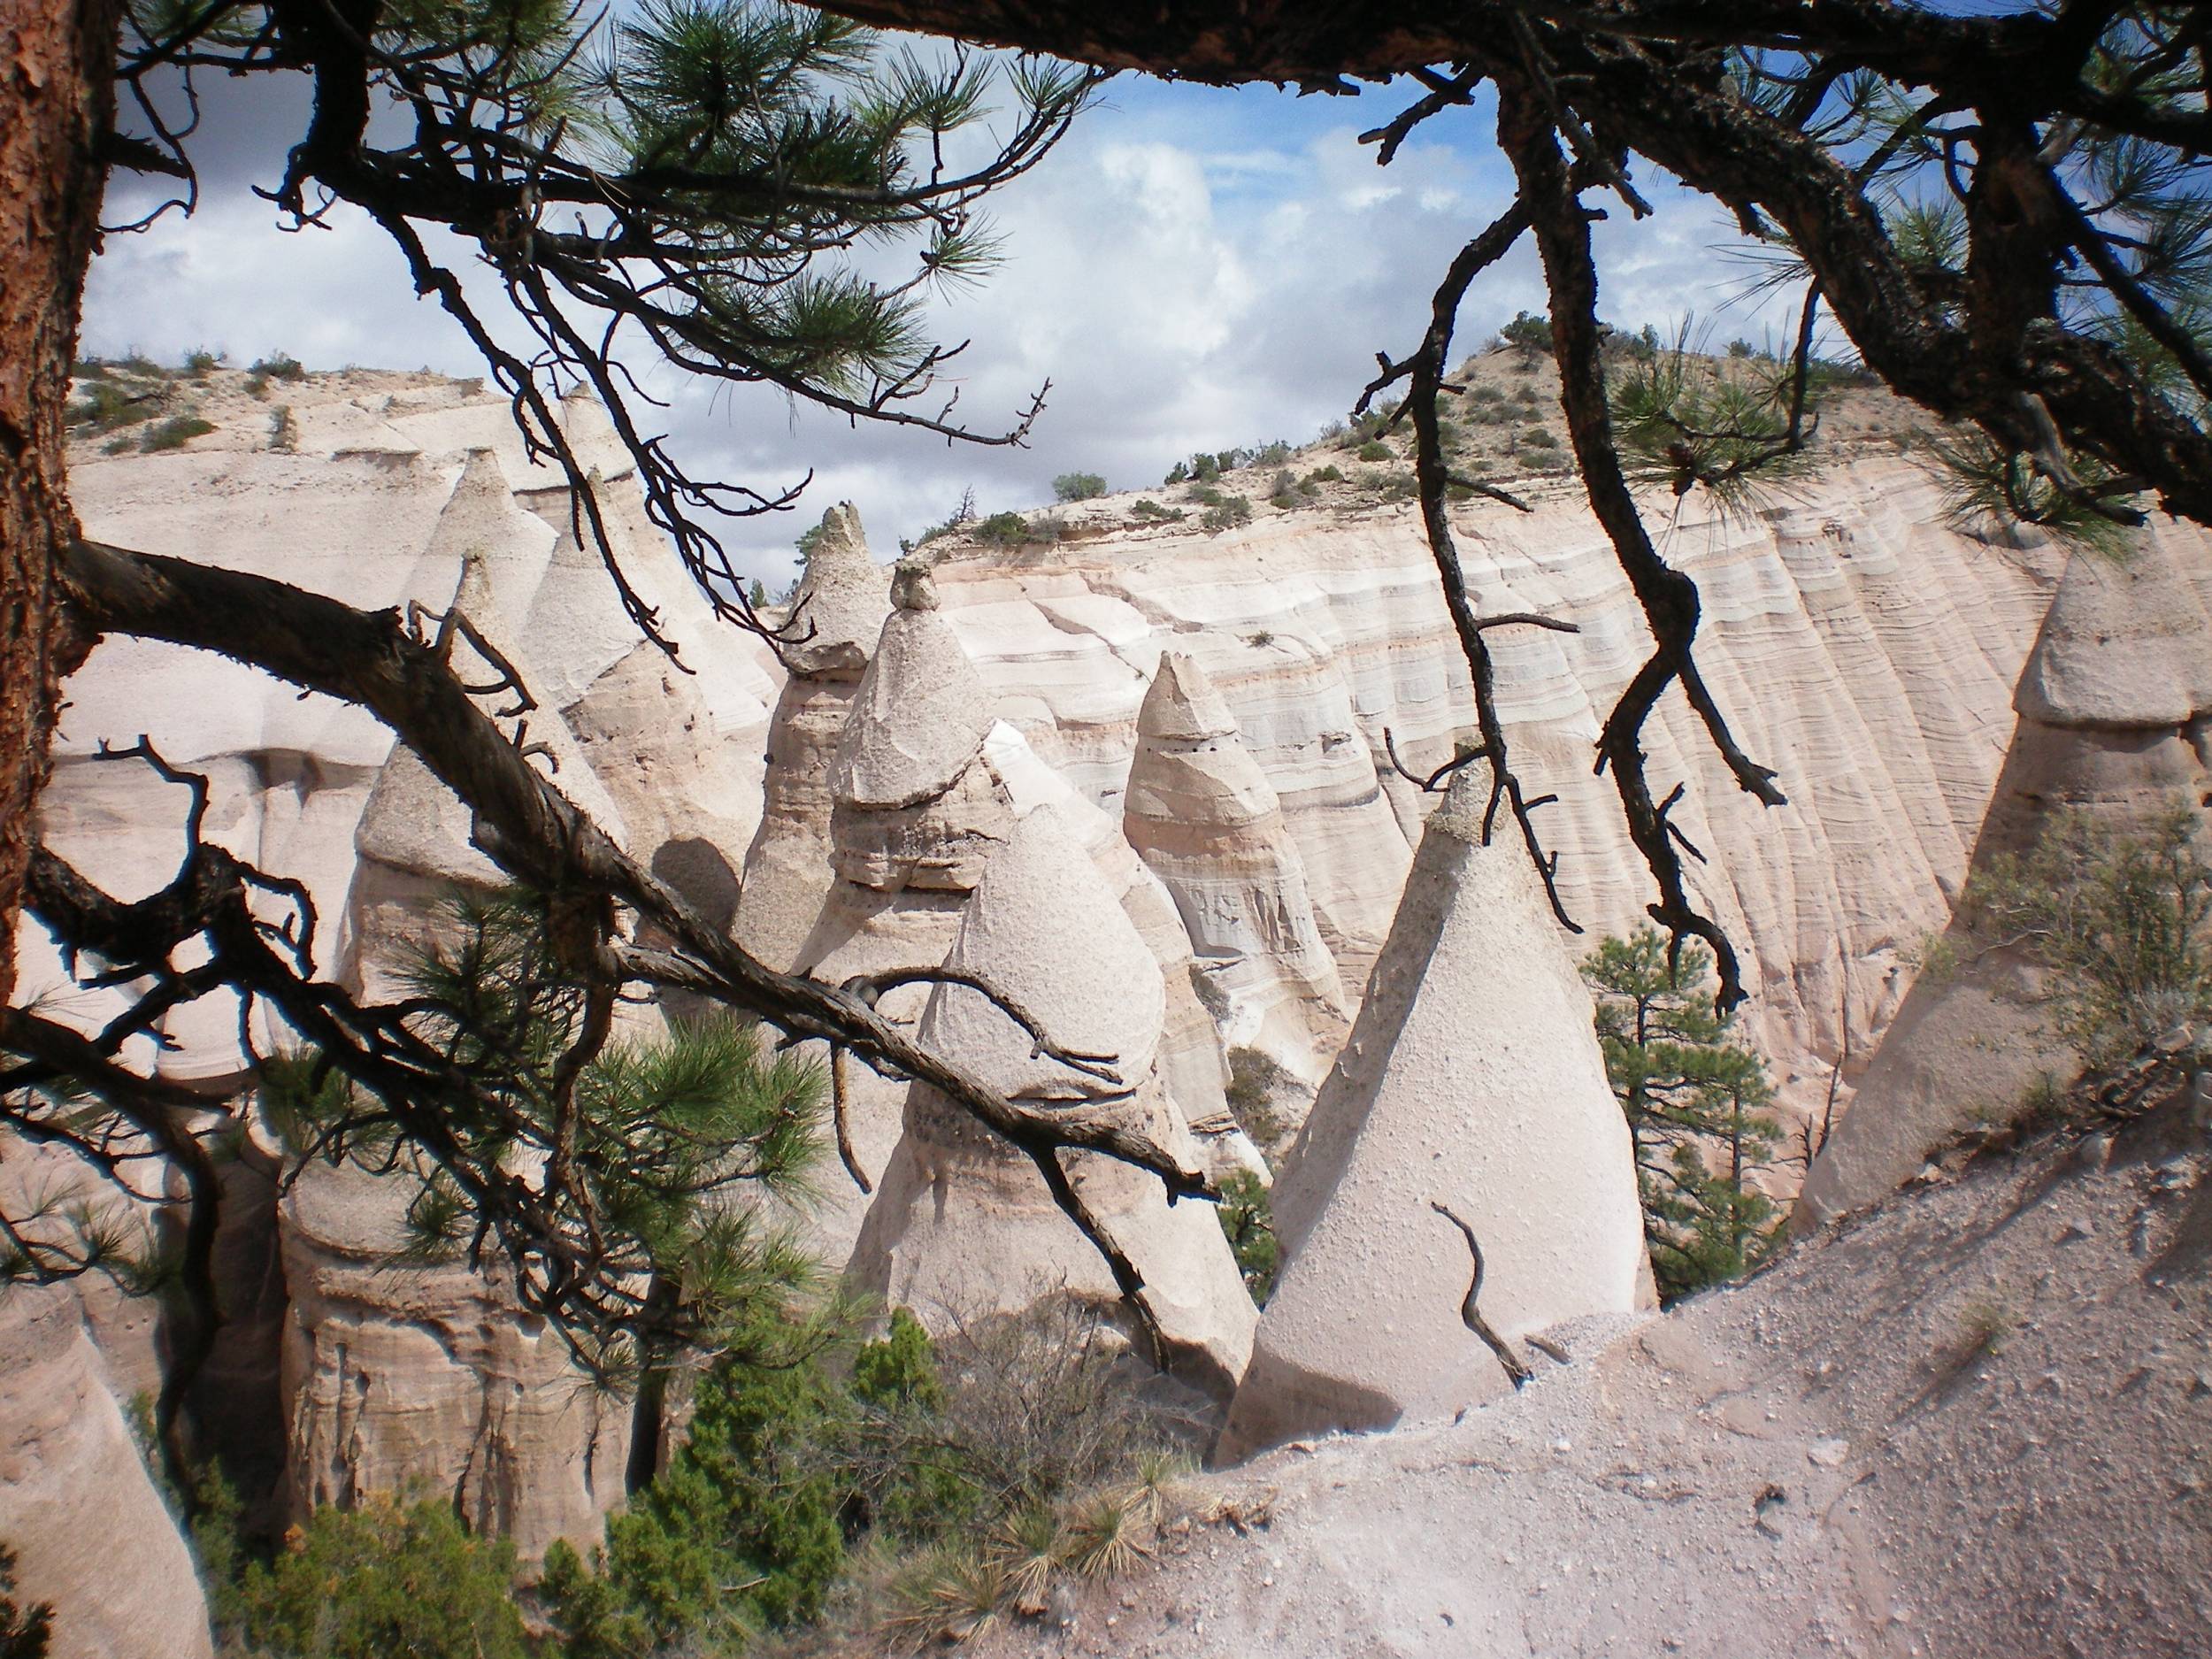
843,597
2111,706
1473,1079
962,1225
1204,818
922,710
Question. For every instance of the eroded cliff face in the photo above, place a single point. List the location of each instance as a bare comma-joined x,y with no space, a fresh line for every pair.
1864,649
1859,644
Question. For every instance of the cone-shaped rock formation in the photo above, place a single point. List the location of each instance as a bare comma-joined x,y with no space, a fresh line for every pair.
836,616
963,1224
2114,707
1205,820
1472,1078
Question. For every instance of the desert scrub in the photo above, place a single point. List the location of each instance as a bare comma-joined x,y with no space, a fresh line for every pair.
1985,1325
201,363
1226,514
2122,923
174,433
1077,486
1151,511
1255,1081
284,432
1539,438
1374,450
1004,529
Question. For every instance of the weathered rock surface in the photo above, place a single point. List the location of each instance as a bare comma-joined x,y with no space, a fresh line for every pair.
2113,706
405,1377
1472,1078
1856,641
1206,821
91,1535
964,1224
835,618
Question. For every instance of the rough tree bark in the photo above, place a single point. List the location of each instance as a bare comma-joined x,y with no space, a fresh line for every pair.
57,102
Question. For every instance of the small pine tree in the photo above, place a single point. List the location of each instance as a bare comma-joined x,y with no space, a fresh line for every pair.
1077,486
1695,1104
25,1631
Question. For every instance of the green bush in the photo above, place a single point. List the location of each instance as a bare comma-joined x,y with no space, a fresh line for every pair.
1325,475
1228,514
1151,511
1539,438
199,364
1271,454
2120,922
1255,1081
1374,450
382,1579
24,1629
1531,335
279,367
1246,1218
107,405
174,433
284,432
1077,486
1004,529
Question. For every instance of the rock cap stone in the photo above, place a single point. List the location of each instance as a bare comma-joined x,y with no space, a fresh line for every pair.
1182,704
922,711
838,612
2126,644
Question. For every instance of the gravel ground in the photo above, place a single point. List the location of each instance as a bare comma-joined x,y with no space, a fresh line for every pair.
1976,1421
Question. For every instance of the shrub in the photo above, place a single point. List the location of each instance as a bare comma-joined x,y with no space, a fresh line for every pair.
1205,468
1539,438
201,363
279,367
284,432
1207,496
1273,454
1151,511
1226,514
106,405
380,1579
25,1630
1211,997
1284,492
1255,1079
2122,922
1486,395
1374,450
1325,475
1246,1218
1260,640
174,433
1528,334
1179,474
1004,529
1077,486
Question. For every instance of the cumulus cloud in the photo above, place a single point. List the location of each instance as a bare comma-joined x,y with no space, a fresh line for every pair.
1191,270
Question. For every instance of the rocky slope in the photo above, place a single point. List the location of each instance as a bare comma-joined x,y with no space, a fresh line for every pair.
1976,1424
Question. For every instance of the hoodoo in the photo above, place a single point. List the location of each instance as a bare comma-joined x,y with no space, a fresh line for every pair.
963,1224
1204,818
833,623
2113,709
1472,1079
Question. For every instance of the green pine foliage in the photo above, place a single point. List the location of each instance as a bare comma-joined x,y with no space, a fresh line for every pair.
1247,1221
384,1578
1077,486
1696,1105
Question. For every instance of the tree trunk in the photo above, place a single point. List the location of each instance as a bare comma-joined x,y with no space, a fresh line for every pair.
57,100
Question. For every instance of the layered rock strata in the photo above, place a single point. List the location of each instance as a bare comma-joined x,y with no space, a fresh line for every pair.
1471,1080
1856,639
403,1378
962,1225
1205,820
2115,714
833,622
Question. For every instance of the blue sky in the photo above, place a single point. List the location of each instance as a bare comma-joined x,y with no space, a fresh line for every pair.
1192,267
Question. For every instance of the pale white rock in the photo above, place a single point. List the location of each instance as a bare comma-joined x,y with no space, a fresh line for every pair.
1206,822
403,1377
962,1225
1472,1078
1192,1061
2111,706
91,1535
921,711
1857,643
837,616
